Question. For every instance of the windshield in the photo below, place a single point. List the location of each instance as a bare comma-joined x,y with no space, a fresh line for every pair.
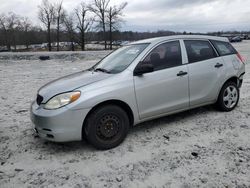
120,59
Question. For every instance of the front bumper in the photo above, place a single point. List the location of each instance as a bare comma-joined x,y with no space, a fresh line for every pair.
60,125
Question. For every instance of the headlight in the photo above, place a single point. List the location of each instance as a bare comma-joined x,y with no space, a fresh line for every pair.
61,100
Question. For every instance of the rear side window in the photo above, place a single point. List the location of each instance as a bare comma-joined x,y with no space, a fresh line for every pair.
198,50
224,48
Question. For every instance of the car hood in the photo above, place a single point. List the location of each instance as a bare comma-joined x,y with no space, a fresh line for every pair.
70,83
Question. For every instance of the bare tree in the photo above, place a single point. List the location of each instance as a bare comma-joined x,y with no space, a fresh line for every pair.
59,17
5,29
46,16
26,26
70,29
99,8
9,24
83,22
114,20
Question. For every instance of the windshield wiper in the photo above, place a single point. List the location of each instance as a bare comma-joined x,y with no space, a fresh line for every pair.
102,70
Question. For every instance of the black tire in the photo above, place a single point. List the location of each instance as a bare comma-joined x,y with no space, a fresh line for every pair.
223,103
107,127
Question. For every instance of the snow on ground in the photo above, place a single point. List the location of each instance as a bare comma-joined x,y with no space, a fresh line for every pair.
197,148
63,56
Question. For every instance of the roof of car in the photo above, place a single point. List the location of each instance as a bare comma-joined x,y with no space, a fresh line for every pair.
160,39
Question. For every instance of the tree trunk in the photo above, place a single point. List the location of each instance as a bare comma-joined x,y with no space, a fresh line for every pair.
104,34
111,41
26,39
49,38
8,46
14,42
7,40
72,46
110,28
110,35
83,40
57,34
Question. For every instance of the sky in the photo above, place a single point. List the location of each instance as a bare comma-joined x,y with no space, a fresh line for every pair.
152,15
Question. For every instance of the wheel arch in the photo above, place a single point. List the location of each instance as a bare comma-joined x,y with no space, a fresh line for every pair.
119,103
234,79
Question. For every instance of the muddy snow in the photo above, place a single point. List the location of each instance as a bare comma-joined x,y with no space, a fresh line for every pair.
197,148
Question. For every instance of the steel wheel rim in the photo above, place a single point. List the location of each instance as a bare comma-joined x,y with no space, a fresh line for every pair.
108,127
230,96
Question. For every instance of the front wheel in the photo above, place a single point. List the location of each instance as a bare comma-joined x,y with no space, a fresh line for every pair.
229,97
107,127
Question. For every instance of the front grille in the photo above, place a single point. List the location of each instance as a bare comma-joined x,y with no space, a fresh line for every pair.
39,99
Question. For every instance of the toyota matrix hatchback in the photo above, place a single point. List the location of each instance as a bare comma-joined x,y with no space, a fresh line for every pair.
139,82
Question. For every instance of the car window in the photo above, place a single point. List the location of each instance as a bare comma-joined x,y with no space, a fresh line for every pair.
120,59
223,48
198,50
165,56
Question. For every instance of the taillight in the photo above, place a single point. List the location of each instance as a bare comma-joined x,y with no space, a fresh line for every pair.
241,58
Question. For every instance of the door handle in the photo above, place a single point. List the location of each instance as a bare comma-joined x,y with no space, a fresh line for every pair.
218,65
181,73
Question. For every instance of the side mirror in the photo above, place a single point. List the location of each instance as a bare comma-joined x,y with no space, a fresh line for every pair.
143,68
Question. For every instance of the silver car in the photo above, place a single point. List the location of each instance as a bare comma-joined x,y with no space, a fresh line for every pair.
139,82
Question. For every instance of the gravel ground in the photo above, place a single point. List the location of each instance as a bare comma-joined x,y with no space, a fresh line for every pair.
197,148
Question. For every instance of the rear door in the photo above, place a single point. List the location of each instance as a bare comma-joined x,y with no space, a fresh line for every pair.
206,71
166,89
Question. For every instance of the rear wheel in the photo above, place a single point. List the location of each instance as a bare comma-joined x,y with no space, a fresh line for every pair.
107,127
229,97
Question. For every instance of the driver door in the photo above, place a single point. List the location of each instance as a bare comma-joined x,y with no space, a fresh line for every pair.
164,90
